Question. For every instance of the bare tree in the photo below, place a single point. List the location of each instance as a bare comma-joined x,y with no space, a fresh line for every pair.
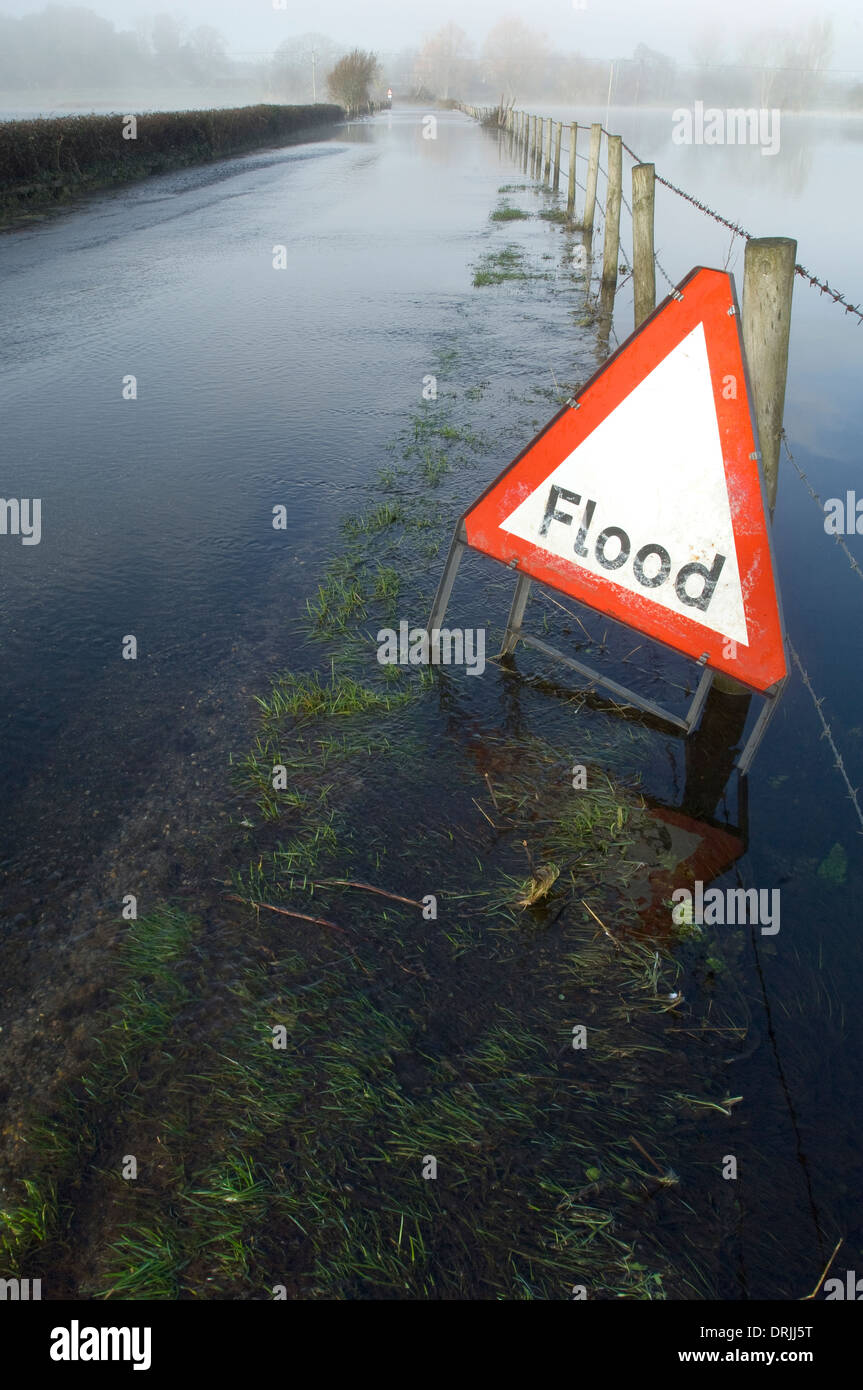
350,80
444,62
208,50
791,64
516,59
807,54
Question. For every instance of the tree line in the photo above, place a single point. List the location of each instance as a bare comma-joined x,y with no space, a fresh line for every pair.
61,49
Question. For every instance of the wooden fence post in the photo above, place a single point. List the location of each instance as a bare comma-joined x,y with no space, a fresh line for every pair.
611,249
547,170
557,143
643,261
592,174
768,284
570,198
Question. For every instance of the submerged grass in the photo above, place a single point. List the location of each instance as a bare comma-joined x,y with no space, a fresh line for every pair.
508,263
389,1173
304,696
372,1099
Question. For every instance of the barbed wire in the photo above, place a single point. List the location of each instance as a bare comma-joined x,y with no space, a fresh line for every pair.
668,280
827,733
701,206
820,505
735,227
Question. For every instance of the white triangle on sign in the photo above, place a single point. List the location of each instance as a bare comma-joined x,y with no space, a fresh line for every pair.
654,471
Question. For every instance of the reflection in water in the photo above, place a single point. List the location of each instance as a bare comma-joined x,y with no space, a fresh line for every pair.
255,391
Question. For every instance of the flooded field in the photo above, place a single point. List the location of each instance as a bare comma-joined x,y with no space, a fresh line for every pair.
328,976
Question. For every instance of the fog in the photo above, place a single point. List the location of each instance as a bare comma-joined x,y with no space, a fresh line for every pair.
233,52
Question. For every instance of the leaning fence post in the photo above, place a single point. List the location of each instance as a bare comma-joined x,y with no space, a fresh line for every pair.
643,262
558,136
592,173
570,197
611,249
768,284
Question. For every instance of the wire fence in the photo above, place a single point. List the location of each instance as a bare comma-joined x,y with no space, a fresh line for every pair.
821,506
737,230
814,281
735,227
827,734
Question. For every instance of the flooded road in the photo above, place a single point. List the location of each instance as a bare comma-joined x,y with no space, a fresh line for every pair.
298,387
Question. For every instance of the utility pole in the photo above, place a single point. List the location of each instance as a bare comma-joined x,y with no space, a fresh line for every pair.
314,75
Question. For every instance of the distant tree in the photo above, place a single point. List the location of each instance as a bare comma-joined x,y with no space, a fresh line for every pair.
166,36
708,80
443,64
350,81
208,50
790,64
654,74
807,54
298,60
63,45
515,59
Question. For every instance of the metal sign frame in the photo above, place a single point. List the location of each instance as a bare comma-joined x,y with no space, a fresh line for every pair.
514,627
515,633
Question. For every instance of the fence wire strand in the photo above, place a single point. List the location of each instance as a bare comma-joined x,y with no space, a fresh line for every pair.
820,505
827,733
735,227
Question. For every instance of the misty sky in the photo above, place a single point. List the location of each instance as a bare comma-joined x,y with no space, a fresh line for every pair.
605,28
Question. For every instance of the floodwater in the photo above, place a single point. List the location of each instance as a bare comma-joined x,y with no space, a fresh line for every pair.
260,387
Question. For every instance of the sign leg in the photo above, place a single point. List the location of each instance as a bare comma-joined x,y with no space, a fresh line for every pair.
699,698
444,589
750,748
516,615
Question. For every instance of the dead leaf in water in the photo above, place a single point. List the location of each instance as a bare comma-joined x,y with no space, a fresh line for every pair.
538,885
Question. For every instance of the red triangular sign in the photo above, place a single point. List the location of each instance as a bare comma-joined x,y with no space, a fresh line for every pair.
644,499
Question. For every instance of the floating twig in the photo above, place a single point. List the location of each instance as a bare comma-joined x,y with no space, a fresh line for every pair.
368,888
610,936
807,1296
643,1150
286,912
491,793
484,813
